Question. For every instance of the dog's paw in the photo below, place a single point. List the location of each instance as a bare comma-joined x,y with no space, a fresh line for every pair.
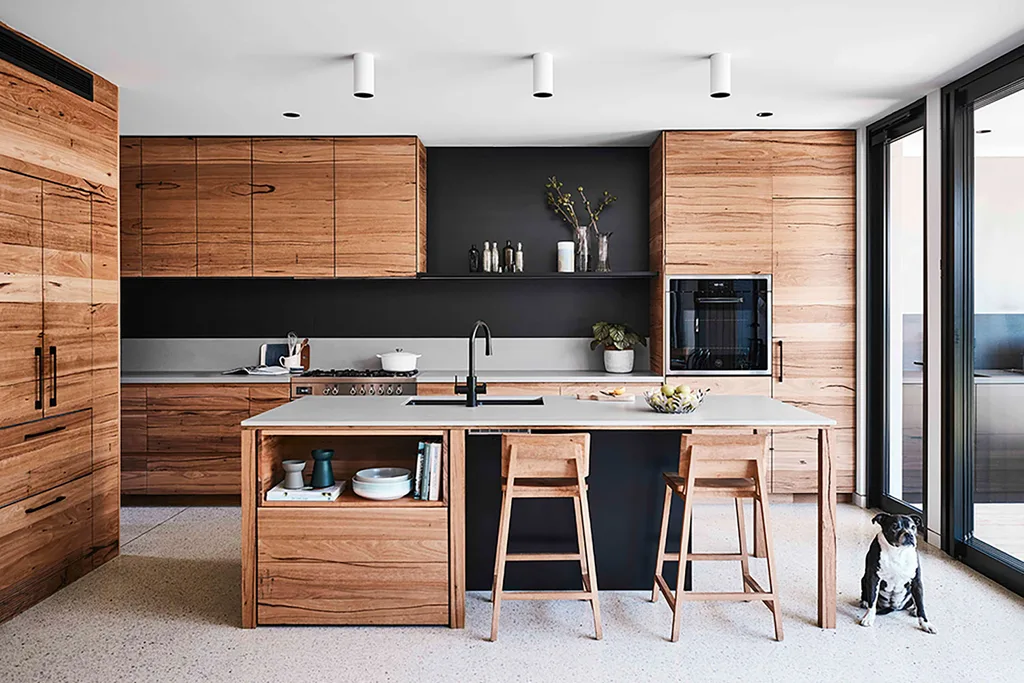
926,626
912,610
868,619
864,604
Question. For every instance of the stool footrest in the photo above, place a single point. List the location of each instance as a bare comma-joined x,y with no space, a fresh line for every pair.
542,557
705,557
726,597
549,595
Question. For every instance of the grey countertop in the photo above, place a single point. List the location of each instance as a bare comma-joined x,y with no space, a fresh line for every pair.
980,377
425,377
557,411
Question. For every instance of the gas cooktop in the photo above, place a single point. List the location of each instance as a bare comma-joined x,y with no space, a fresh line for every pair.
351,372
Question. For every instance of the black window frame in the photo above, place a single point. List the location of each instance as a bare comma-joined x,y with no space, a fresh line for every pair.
959,99
897,125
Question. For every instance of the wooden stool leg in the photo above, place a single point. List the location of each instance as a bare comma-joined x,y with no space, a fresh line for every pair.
581,543
500,558
758,533
588,538
741,527
684,543
769,544
662,540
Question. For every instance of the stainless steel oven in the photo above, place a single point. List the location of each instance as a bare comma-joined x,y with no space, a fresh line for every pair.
718,325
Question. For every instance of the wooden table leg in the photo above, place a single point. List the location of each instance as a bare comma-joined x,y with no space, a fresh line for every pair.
248,528
457,528
759,550
826,532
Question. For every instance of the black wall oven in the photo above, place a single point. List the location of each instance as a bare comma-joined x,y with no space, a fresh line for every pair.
718,325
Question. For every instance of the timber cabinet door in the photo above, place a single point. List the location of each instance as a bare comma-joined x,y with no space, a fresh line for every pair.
130,197
293,207
67,298
814,330
21,298
168,207
376,207
224,206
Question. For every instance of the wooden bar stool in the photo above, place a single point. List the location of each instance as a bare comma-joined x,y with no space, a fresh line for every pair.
718,466
546,466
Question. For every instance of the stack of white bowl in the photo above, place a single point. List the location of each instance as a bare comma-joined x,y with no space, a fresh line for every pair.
382,483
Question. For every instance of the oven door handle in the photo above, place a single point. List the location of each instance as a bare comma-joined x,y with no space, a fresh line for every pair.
780,361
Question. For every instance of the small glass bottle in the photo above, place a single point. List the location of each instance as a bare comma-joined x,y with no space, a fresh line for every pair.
519,257
487,257
475,265
495,258
510,257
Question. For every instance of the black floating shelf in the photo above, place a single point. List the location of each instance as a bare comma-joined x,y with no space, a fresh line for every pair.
622,275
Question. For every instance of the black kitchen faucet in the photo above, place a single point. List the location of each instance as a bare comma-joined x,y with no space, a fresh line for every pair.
471,388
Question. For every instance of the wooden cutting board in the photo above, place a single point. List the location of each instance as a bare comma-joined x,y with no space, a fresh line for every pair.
624,398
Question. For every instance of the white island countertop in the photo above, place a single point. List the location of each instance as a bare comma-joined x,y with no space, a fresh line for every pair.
557,411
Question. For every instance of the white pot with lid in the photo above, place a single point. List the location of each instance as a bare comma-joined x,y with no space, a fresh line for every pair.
398,361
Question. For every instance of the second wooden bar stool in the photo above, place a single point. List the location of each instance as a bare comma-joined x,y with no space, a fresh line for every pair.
546,466
718,466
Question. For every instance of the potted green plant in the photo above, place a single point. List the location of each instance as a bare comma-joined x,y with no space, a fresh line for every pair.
618,340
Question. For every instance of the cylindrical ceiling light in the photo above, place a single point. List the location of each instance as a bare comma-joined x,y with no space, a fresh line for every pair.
362,75
721,74
543,75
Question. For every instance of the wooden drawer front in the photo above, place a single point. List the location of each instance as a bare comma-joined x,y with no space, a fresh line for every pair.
637,390
354,534
133,397
133,432
353,566
263,398
523,389
193,473
367,593
188,431
133,473
193,397
45,532
39,455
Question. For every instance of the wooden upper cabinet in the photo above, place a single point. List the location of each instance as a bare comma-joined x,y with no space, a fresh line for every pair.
67,298
717,202
131,207
169,207
21,298
224,206
377,205
293,207
814,164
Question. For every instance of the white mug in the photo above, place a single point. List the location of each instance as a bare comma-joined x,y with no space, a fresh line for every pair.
291,362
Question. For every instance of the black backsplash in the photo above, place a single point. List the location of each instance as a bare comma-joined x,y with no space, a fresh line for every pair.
191,307
473,194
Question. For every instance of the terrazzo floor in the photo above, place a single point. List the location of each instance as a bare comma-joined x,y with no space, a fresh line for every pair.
168,609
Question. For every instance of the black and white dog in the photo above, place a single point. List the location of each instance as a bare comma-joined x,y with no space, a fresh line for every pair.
892,571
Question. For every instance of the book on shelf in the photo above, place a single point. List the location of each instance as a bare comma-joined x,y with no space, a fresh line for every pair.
306,494
435,472
417,490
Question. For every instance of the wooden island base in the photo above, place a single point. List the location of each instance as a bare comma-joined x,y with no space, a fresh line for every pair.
357,561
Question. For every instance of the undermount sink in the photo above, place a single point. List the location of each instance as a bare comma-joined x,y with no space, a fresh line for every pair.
484,401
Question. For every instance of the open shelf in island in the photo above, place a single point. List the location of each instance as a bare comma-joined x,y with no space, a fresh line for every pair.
350,499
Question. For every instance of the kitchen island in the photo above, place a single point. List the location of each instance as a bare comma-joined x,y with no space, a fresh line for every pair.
357,561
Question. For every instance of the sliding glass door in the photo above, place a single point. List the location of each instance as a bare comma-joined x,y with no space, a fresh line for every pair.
983,404
896,320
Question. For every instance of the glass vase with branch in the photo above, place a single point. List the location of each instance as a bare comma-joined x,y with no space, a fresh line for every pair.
602,263
563,204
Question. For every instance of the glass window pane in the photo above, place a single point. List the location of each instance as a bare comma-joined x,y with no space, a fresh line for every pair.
998,490
905,479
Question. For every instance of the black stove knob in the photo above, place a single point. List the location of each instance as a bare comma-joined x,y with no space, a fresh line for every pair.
371,390
398,390
362,390
334,390
327,390
391,390
352,390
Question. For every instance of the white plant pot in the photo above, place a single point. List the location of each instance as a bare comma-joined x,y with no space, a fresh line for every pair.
618,361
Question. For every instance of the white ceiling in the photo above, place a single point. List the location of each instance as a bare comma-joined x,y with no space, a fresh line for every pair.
458,72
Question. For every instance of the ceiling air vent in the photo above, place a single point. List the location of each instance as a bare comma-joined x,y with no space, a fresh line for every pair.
29,56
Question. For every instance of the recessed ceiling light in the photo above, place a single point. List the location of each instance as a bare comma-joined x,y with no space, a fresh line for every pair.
291,114
984,131
764,114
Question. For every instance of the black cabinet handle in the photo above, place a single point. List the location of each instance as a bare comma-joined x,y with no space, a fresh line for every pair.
919,362
36,435
53,375
780,360
56,500
39,377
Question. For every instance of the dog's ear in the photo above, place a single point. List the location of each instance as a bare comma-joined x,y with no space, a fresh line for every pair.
879,518
917,521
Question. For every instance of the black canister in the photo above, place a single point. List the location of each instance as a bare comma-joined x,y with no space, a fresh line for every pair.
475,264
323,473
